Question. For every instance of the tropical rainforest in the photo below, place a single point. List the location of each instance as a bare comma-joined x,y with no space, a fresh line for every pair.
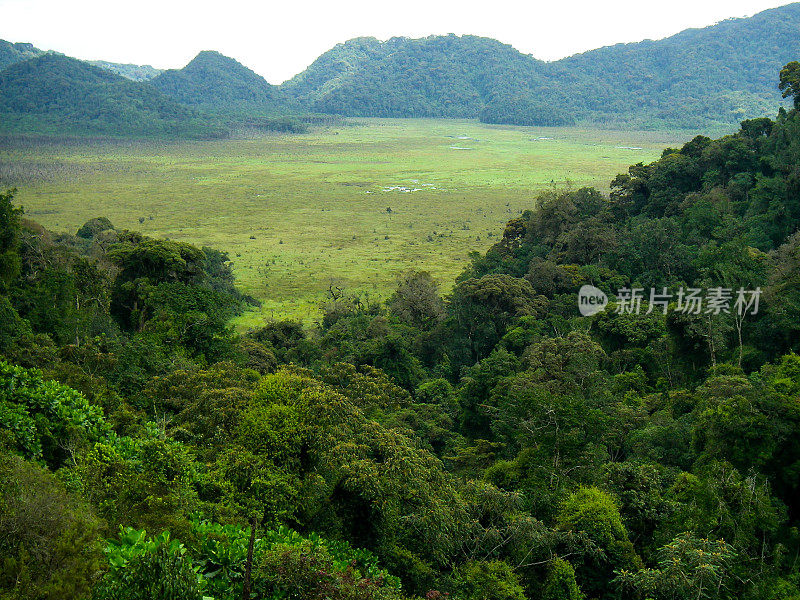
485,444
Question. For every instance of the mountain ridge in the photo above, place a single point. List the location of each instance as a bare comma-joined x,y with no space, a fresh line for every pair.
213,80
737,57
128,70
14,52
59,94
721,74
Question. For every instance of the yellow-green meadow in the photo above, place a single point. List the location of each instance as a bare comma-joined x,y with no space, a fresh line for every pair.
355,204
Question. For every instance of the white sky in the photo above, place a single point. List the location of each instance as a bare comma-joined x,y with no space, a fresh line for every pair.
279,39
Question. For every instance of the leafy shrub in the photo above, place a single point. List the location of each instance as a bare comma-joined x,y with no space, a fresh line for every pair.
143,568
488,580
560,583
311,571
47,420
49,546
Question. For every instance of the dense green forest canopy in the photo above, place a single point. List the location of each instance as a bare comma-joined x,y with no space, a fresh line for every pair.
488,444
57,95
128,71
11,53
64,95
451,76
719,74
214,80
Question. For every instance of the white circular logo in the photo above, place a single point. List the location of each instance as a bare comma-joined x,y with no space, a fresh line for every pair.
591,300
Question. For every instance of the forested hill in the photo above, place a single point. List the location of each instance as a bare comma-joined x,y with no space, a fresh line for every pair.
727,70
215,81
722,73
448,76
128,71
11,53
65,95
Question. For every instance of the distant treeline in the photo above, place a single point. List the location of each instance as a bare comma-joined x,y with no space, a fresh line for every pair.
716,75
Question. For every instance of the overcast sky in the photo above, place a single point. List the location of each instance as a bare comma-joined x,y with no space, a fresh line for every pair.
279,39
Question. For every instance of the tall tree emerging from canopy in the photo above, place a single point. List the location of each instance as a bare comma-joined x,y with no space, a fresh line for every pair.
9,239
790,82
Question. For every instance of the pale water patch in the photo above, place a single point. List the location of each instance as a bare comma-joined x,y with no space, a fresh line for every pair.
404,189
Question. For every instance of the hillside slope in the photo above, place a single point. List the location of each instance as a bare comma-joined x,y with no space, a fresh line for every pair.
212,80
58,94
726,71
11,53
722,73
450,76
128,71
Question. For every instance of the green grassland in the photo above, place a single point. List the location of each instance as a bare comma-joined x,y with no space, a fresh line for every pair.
300,212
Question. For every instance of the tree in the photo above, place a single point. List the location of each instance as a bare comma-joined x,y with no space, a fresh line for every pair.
94,226
49,541
720,503
46,420
11,325
482,310
147,483
488,580
560,583
416,301
790,82
735,422
9,239
145,265
595,514
689,568
314,570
